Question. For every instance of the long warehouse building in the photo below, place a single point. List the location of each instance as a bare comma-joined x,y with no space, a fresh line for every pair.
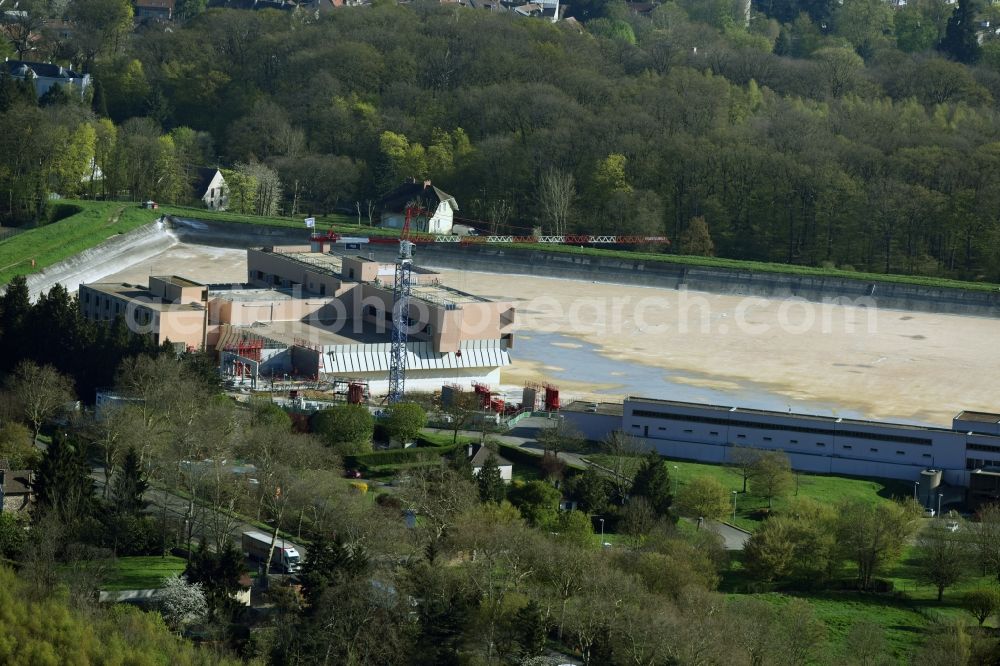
819,444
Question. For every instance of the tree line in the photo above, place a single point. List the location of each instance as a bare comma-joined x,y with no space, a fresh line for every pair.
854,134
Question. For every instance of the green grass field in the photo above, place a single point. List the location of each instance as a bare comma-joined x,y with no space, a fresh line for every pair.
142,573
95,222
822,488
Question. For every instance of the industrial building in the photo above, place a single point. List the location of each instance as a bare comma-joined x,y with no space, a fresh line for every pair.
169,307
308,313
819,444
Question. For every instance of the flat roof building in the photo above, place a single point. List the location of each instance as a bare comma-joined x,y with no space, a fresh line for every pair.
819,444
169,308
318,315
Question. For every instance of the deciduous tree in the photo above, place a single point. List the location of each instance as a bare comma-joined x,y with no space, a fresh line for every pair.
704,497
982,603
943,557
772,476
42,392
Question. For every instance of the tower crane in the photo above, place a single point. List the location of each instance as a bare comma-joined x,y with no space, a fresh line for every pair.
404,267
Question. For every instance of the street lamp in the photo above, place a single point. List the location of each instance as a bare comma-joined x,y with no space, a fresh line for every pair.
602,532
734,506
940,495
915,484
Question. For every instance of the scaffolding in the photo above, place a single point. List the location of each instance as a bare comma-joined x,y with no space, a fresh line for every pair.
240,360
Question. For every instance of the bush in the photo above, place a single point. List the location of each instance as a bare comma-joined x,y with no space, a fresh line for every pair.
350,425
405,421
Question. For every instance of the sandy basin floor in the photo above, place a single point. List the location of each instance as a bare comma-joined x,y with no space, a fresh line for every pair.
877,363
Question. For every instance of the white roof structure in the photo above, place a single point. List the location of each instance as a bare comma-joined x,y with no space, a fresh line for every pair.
347,359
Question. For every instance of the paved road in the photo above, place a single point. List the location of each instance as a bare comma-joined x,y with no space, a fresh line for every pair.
177,507
524,435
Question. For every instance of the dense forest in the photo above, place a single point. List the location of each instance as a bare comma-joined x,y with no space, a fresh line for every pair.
853,134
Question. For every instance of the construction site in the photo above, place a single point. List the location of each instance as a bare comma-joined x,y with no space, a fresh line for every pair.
592,335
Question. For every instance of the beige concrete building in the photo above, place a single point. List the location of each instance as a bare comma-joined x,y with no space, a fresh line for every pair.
169,308
346,319
319,315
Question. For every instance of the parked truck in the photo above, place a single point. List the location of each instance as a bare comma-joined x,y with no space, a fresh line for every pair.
286,555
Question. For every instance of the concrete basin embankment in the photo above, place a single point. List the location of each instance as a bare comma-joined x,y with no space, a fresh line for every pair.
120,252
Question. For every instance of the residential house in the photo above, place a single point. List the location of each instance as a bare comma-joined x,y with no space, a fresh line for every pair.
16,489
547,9
440,207
211,189
154,10
478,454
45,75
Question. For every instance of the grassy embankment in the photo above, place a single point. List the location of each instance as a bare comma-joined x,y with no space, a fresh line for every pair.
97,220
94,222
749,507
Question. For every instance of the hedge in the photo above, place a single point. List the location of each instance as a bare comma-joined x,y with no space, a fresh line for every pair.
413,454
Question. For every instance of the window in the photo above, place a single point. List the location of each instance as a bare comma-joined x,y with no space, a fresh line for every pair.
767,439
900,453
260,275
661,428
689,431
86,297
927,455
821,444
846,446
713,433
118,308
873,450
795,441
741,436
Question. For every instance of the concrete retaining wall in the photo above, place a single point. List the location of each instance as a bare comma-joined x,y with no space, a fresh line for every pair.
713,280
576,267
115,254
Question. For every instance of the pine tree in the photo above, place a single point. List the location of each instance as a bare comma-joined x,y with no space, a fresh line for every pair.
330,563
129,485
653,482
490,481
961,40
531,629
219,574
63,484
15,307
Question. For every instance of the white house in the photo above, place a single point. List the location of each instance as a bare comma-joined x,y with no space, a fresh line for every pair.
438,207
478,455
45,75
211,189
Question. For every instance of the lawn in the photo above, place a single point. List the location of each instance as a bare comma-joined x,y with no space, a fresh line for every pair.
142,573
339,222
822,488
905,576
902,624
95,222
